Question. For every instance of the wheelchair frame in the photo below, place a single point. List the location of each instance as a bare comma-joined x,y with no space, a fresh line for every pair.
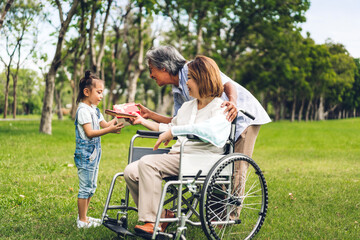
215,224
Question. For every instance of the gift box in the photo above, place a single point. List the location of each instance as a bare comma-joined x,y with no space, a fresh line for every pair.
126,110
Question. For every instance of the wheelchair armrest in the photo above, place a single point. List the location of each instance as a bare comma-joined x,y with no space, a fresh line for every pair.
154,134
148,133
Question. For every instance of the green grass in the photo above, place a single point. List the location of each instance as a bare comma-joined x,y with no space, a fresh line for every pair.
318,162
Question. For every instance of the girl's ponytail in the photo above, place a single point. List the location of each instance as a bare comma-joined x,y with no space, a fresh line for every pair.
85,82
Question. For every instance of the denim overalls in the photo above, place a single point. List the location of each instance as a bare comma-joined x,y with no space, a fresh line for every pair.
87,158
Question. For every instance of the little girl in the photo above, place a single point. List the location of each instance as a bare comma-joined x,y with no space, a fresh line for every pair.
87,155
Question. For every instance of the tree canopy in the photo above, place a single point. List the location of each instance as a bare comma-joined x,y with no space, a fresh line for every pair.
256,43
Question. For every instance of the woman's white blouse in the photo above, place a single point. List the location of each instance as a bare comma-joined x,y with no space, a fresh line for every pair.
208,123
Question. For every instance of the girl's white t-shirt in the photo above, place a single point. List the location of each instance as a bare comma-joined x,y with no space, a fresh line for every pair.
84,116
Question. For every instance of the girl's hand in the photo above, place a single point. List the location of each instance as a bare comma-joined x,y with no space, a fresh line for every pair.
116,127
145,112
165,137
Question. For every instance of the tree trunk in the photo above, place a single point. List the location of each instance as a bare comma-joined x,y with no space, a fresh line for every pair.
321,112
199,40
58,104
264,100
46,114
6,103
282,109
293,109
79,58
139,69
277,110
96,62
15,78
5,10
308,109
113,80
74,87
301,109
165,102
315,113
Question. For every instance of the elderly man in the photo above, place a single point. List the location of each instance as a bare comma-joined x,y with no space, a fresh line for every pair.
168,66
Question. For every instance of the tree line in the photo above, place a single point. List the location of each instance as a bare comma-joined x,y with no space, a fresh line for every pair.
256,43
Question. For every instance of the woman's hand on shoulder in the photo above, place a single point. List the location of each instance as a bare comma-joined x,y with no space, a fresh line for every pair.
231,110
165,138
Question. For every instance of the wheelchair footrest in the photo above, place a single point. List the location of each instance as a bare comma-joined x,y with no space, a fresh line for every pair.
117,228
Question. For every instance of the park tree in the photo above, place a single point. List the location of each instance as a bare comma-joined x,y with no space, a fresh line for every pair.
46,115
20,30
76,62
96,57
117,39
344,67
352,97
233,32
4,11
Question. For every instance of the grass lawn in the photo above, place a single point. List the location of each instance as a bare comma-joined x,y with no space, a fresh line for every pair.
312,171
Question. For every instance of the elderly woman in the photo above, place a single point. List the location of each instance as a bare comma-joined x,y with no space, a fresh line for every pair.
203,116
168,66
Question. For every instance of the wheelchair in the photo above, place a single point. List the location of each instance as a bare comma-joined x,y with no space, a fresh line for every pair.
203,194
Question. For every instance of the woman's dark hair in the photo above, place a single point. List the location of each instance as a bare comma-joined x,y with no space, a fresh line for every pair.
86,82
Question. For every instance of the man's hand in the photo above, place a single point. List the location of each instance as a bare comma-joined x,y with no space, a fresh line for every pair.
135,121
165,137
144,112
230,109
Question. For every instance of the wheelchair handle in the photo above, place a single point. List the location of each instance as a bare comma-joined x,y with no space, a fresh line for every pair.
197,175
247,114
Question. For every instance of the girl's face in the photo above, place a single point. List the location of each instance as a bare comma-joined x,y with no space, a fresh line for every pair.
193,87
95,95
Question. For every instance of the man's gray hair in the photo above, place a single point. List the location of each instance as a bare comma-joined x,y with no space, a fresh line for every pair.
166,57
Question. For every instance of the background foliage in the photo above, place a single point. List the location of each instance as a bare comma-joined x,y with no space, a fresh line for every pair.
256,43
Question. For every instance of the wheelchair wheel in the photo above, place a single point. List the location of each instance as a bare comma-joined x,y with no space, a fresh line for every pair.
234,199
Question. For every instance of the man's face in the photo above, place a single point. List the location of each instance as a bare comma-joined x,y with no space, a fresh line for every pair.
161,76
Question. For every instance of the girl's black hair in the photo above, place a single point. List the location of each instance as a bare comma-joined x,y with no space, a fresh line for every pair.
86,82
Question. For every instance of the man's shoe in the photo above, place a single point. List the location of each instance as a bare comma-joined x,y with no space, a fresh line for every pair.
168,214
147,228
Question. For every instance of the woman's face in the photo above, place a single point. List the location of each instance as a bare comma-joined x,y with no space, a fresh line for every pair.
161,76
193,87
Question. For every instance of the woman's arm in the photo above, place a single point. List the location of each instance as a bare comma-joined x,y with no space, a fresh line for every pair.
147,113
153,126
231,93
